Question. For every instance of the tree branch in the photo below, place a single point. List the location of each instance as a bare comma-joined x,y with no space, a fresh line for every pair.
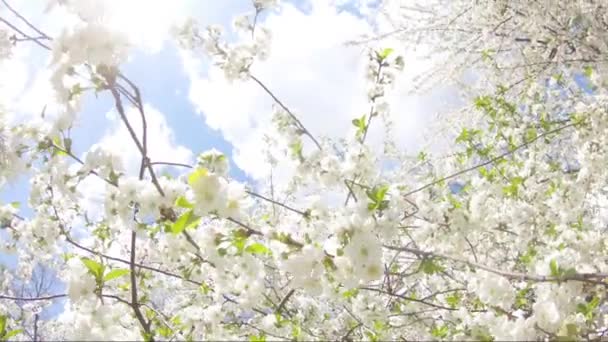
582,277
491,161
300,125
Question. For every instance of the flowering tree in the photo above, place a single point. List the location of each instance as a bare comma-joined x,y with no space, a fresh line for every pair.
501,237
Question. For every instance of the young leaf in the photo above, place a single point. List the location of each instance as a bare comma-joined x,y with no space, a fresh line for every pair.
196,175
554,268
385,53
430,267
257,248
182,202
3,319
117,273
260,338
94,267
12,333
187,220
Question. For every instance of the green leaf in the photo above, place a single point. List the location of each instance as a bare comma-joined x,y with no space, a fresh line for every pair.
350,293
257,248
113,178
588,71
15,204
147,336
239,243
554,268
379,326
3,319
377,195
453,300
296,149
164,331
422,156
428,266
205,288
185,221
521,300
257,338
194,177
75,91
385,53
380,193
361,124
12,333
512,189
58,151
528,257
296,331
440,331
117,273
95,268
487,54
530,134
182,202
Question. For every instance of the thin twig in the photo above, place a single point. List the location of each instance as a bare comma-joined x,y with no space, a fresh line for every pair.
33,299
16,29
300,125
582,277
27,22
285,300
491,161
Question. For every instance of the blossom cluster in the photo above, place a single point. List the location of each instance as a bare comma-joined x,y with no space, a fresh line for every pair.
501,238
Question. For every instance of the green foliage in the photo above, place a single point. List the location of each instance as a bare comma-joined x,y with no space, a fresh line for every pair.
185,221
530,134
453,300
568,333
512,190
352,293
422,156
361,125
377,195
521,298
588,308
257,338
579,224
559,272
428,266
467,135
588,71
195,176
487,54
96,269
296,149
456,204
102,232
182,202
527,257
5,334
489,174
383,55
258,249
115,273
57,148
440,331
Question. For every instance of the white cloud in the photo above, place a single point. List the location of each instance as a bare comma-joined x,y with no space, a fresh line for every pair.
161,140
320,78
161,147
